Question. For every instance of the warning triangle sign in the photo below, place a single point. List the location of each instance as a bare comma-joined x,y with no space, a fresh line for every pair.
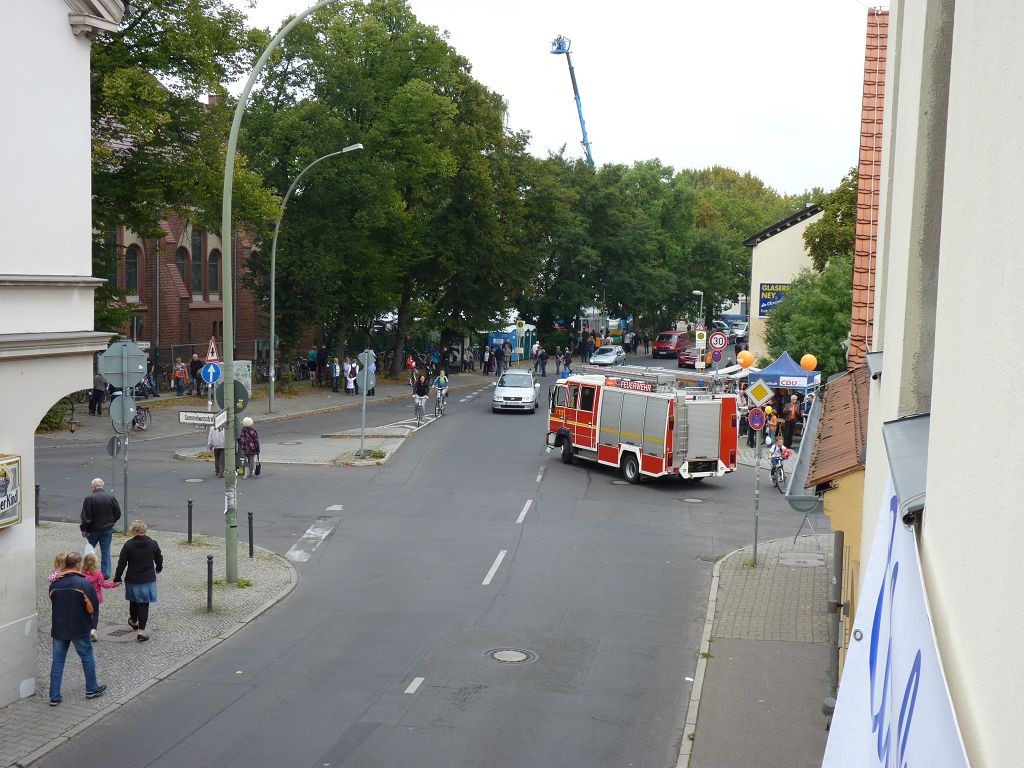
212,355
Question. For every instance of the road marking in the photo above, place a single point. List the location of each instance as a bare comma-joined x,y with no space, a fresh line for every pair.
494,568
414,685
314,536
335,508
540,475
526,508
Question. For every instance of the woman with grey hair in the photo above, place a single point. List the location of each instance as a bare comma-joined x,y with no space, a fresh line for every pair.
140,561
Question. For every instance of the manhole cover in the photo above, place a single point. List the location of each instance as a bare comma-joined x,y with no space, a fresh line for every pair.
801,559
619,482
194,480
511,655
292,442
694,501
120,632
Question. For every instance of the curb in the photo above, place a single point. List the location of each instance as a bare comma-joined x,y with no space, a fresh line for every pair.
293,575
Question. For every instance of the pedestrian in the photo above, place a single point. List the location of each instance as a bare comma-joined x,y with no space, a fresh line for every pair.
499,360
58,566
507,349
311,363
180,376
195,365
215,442
535,354
771,427
558,361
100,511
743,406
335,374
353,374
371,375
139,563
72,602
91,571
647,343
791,413
99,392
485,357
345,369
249,443
542,358
410,367
350,378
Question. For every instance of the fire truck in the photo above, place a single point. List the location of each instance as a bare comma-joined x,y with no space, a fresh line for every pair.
643,421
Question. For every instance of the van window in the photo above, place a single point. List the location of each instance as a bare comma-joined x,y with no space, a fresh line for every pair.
574,396
587,399
669,337
559,400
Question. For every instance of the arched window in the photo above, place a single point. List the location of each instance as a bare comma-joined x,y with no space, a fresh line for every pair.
131,271
180,259
197,264
213,260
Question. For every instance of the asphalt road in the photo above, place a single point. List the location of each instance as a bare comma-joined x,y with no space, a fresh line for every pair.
471,539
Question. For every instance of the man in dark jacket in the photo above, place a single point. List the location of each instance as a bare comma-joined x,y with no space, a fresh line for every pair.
100,511
73,601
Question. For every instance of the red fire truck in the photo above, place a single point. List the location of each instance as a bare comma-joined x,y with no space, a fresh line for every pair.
644,421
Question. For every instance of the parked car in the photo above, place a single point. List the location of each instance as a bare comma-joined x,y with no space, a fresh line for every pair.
688,357
515,391
610,354
670,343
740,330
724,327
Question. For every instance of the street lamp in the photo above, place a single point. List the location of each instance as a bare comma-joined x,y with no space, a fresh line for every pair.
700,314
273,266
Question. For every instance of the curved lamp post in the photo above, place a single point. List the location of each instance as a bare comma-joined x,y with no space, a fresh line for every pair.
273,266
230,476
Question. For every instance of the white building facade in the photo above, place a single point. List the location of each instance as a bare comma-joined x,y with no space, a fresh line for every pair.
952,162
47,342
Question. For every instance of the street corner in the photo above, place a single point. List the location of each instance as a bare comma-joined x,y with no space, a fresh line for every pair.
193,454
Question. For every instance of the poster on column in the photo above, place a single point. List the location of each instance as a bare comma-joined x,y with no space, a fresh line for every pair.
10,490
894,707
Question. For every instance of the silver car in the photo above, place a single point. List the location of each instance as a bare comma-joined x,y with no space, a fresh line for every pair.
515,391
609,354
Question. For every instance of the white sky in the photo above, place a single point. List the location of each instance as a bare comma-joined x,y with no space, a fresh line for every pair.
767,86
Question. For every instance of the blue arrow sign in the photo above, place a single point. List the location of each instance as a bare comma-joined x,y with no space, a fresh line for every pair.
211,373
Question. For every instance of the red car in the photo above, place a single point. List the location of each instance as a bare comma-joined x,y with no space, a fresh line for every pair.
688,357
670,343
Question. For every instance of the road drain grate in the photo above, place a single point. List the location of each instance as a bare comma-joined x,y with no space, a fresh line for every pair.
511,655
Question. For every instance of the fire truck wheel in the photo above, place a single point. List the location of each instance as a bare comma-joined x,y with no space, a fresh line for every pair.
631,468
566,451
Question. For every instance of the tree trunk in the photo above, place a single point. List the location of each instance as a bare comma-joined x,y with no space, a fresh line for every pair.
402,325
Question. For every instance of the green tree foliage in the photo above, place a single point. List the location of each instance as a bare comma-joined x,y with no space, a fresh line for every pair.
156,148
814,316
834,234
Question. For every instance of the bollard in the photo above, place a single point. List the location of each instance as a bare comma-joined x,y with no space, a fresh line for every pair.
190,521
209,583
37,505
250,535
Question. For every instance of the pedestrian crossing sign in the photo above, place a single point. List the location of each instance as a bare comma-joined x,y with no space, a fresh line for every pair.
212,355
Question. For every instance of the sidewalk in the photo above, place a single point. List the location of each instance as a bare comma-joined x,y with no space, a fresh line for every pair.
181,631
762,672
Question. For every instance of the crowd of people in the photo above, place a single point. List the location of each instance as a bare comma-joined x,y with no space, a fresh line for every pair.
79,579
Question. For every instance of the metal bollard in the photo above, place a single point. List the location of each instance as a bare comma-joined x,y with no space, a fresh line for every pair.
209,583
37,505
250,535
190,521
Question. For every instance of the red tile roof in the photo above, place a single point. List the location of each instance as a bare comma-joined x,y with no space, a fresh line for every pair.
869,169
843,430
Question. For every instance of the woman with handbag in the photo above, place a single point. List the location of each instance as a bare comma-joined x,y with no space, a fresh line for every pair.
249,443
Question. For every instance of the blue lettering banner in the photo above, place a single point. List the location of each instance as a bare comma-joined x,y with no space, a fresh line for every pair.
769,297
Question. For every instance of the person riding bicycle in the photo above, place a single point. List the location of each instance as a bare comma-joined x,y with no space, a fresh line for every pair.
779,453
441,384
420,393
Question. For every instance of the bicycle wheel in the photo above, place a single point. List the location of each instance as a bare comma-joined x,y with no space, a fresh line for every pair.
443,403
437,407
781,484
142,418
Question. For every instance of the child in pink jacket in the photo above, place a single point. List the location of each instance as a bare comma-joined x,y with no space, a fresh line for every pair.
91,571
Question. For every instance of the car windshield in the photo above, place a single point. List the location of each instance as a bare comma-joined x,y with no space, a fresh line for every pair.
521,380
604,352
669,337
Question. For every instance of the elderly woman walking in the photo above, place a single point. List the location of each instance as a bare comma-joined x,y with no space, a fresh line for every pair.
249,443
139,563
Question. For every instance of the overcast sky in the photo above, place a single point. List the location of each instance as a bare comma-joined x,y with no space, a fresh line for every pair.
767,86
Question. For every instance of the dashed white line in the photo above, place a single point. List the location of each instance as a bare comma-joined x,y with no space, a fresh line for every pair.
526,508
335,508
314,536
414,685
494,568
540,475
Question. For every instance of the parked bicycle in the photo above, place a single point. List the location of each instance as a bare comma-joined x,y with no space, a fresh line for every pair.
143,419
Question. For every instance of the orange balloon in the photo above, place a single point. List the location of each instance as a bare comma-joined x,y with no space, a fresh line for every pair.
808,362
745,358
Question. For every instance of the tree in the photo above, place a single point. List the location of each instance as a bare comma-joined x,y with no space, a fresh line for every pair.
156,148
834,234
814,316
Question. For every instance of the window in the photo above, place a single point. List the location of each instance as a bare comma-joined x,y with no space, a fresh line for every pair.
131,271
197,265
110,253
213,261
574,396
559,397
587,399
179,260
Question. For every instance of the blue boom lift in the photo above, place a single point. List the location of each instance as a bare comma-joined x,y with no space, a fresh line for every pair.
560,46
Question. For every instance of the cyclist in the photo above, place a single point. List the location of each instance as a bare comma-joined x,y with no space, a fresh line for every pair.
441,385
420,393
779,453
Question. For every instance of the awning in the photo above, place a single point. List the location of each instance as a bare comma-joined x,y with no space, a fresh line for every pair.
906,443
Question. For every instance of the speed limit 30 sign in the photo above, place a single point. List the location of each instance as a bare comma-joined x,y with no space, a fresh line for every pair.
718,341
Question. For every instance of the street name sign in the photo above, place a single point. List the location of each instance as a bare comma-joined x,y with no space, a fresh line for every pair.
221,420
197,418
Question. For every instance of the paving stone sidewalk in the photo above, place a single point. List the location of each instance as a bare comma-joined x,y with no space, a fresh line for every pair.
179,625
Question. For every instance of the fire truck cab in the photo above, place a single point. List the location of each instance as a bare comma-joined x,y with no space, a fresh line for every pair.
643,421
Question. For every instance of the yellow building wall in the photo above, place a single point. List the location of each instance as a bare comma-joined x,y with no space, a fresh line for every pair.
844,505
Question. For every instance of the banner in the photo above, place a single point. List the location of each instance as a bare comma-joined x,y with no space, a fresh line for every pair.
10,490
770,296
894,707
